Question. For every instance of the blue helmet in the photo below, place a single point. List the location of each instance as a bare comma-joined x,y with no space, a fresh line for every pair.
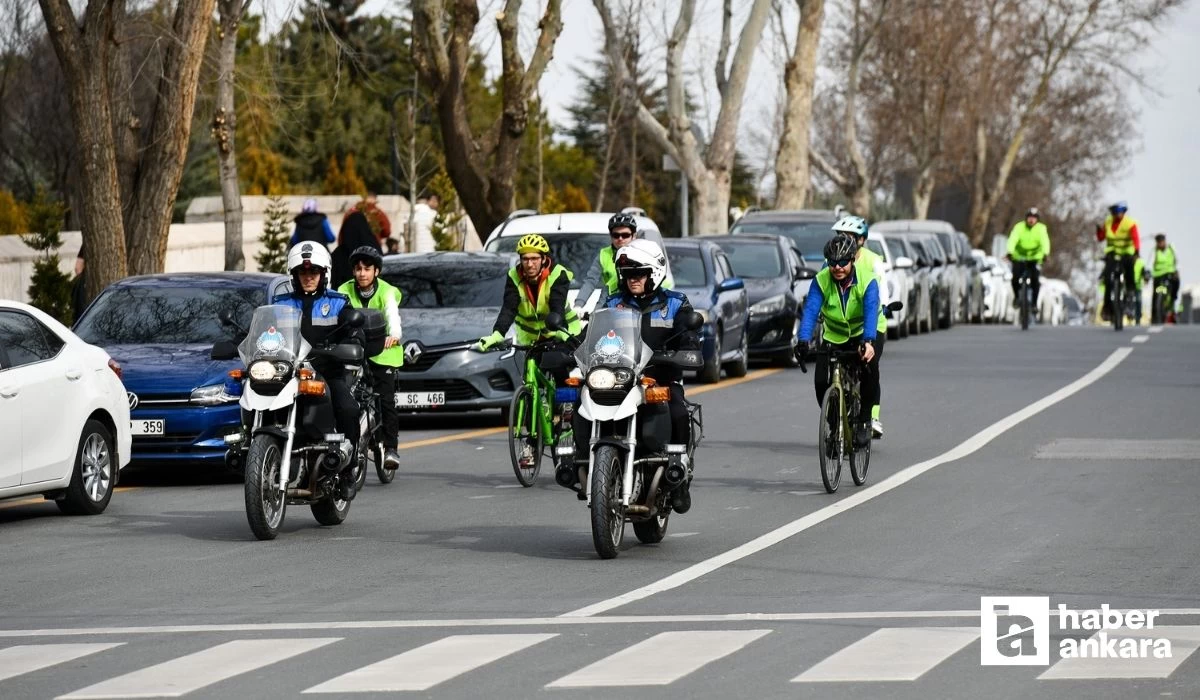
1118,208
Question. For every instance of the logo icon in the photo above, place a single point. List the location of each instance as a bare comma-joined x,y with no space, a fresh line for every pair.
610,345
133,399
1014,631
271,341
412,351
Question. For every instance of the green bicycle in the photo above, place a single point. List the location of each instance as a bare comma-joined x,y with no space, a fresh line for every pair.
531,424
835,435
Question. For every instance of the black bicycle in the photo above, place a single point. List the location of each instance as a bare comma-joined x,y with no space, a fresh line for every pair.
1025,301
369,401
1118,299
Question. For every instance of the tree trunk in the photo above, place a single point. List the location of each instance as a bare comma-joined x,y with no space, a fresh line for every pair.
711,204
224,129
792,176
979,221
84,56
162,163
922,191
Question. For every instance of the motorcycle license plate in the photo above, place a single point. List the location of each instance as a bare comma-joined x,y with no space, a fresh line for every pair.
420,399
155,426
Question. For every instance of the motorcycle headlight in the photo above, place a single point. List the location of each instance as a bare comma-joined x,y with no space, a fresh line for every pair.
601,379
212,395
772,305
266,371
623,376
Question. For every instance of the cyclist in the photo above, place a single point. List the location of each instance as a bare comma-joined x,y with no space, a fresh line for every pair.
321,314
1165,271
1122,244
622,230
534,289
642,270
1028,246
849,300
868,262
370,290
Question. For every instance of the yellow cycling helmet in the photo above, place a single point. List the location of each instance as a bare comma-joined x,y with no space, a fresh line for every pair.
532,243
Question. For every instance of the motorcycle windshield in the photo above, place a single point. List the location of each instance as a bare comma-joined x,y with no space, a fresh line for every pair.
274,335
614,339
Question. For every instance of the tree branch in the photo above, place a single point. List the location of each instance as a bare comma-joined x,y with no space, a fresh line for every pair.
828,169
722,69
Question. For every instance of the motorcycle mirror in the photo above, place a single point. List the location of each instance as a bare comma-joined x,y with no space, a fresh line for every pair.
355,318
554,321
223,350
690,320
895,306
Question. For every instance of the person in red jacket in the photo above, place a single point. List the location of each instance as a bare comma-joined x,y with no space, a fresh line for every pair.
1122,245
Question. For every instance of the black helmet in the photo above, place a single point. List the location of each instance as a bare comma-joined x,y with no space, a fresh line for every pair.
623,219
840,247
369,254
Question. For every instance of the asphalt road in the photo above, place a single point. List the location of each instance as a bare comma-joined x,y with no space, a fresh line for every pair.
1060,462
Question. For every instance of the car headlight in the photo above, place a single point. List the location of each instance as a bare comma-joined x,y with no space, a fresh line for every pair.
212,395
601,378
267,371
771,305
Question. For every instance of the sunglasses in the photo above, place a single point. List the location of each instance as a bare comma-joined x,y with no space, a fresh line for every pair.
635,273
841,263
620,236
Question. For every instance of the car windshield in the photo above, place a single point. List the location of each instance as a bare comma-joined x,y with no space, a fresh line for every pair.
167,315
757,259
687,266
947,241
574,251
809,237
448,284
877,248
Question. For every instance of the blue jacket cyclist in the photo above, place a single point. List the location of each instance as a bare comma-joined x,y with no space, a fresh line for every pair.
849,302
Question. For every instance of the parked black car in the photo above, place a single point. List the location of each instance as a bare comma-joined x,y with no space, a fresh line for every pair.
807,229
703,273
777,281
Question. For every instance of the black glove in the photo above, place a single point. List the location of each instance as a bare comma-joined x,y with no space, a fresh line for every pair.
801,352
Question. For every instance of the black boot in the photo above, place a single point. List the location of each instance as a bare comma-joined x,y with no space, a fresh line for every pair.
681,498
346,486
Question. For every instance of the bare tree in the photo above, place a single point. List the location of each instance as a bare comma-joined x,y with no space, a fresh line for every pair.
856,178
224,130
1048,40
482,167
708,170
792,177
86,49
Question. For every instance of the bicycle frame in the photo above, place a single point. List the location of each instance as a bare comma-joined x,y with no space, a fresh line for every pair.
542,387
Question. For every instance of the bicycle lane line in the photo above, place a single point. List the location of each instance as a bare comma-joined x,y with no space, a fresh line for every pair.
963,449
485,432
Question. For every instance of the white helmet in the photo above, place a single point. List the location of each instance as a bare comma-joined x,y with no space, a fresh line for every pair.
853,225
644,254
309,254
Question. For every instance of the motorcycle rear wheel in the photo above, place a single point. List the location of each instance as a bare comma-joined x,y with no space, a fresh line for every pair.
652,531
266,505
608,515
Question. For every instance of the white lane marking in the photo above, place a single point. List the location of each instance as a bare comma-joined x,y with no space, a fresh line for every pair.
476,498
967,447
659,660
426,666
1140,338
18,660
1155,329
683,534
185,674
891,654
1184,641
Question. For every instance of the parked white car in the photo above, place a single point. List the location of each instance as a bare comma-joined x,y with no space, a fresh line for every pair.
899,280
63,411
997,288
1052,307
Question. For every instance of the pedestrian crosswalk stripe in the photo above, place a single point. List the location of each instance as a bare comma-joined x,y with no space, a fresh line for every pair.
426,666
1184,641
194,671
660,660
27,658
891,654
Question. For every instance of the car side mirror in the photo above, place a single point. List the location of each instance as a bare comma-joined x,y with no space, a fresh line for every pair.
903,263
224,350
805,273
692,320
554,321
731,284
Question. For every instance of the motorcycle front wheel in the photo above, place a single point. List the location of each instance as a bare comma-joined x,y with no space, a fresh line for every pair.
265,503
608,515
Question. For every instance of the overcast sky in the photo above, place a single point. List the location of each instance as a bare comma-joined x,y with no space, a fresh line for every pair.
1160,183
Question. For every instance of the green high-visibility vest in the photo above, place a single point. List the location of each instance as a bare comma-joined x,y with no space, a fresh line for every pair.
865,266
384,292
1164,262
843,321
531,318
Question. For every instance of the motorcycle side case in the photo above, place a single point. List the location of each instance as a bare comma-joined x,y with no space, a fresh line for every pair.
375,330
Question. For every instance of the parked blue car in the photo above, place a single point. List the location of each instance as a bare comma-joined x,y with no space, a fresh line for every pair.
703,273
161,328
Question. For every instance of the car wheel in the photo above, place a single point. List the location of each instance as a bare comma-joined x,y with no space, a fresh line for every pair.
91,486
710,373
741,366
788,358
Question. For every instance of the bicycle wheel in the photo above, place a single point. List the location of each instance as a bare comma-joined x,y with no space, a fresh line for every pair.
1025,305
860,459
1118,307
524,441
831,440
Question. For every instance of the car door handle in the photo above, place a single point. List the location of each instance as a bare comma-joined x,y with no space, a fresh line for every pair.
73,374
9,392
